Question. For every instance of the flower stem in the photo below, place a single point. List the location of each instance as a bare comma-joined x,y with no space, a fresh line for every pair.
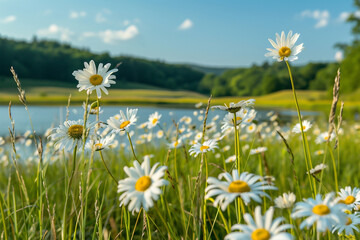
131,145
107,169
301,127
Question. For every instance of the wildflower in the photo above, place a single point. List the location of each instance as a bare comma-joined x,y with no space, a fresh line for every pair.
251,128
317,169
258,150
175,144
306,125
246,186
121,122
286,200
153,120
101,144
226,148
230,120
235,107
319,152
93,108
70,134
143,186
186,120
91,79
285,48
325,213
2,141
207,146
350,197
230,159
324,137
160,134
260,227
349,225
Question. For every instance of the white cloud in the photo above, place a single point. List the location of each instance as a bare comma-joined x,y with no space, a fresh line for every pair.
74,15
109,36
113,36
339,56
186,24
8,19
344,16
56,31
100,18
322,17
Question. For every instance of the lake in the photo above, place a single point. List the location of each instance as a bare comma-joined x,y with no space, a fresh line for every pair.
44,117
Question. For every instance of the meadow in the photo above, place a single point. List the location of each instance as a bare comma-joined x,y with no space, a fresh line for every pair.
232,178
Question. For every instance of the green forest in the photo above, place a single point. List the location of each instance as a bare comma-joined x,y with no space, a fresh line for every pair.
51,62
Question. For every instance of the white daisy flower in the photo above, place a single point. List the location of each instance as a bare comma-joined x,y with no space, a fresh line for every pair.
187,120
306,126
324,137
175,144
2,141
230,159
142,187
122,122
258,150
207,146
160,134
284,48
91,79
317,169
101,144
349,225
70,134
319,152
235,107
286,200
251,128
261,227
153,120
350,197
246,186
228,121
325,213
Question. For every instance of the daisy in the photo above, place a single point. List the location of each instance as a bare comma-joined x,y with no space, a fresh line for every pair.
123,122
160,134
235,107
91,79
350,197
324,137
319,152
207,146
101,144
317,169
70,134
258,150
230,159
349,225
325,213
286,200
175,144
142,187
306,125
251,128
153,120
229,121
285,48
260,227
246,186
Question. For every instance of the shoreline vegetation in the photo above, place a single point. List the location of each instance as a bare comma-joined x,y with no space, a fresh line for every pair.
55,96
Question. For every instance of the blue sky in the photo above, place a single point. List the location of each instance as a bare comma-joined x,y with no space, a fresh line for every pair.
207,32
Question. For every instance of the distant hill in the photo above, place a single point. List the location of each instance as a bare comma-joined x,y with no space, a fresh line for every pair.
208,69
53,61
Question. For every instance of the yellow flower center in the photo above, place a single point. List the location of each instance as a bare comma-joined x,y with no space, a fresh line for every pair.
260,234
75,131
326,137
96,79
238,118
142,184
176,143
304,127
98,145
348,222
348,200
239,187
251,128
202,148
321,209
284,52
154,121
124,124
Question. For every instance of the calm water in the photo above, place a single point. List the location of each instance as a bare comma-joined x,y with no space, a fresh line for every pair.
44,117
